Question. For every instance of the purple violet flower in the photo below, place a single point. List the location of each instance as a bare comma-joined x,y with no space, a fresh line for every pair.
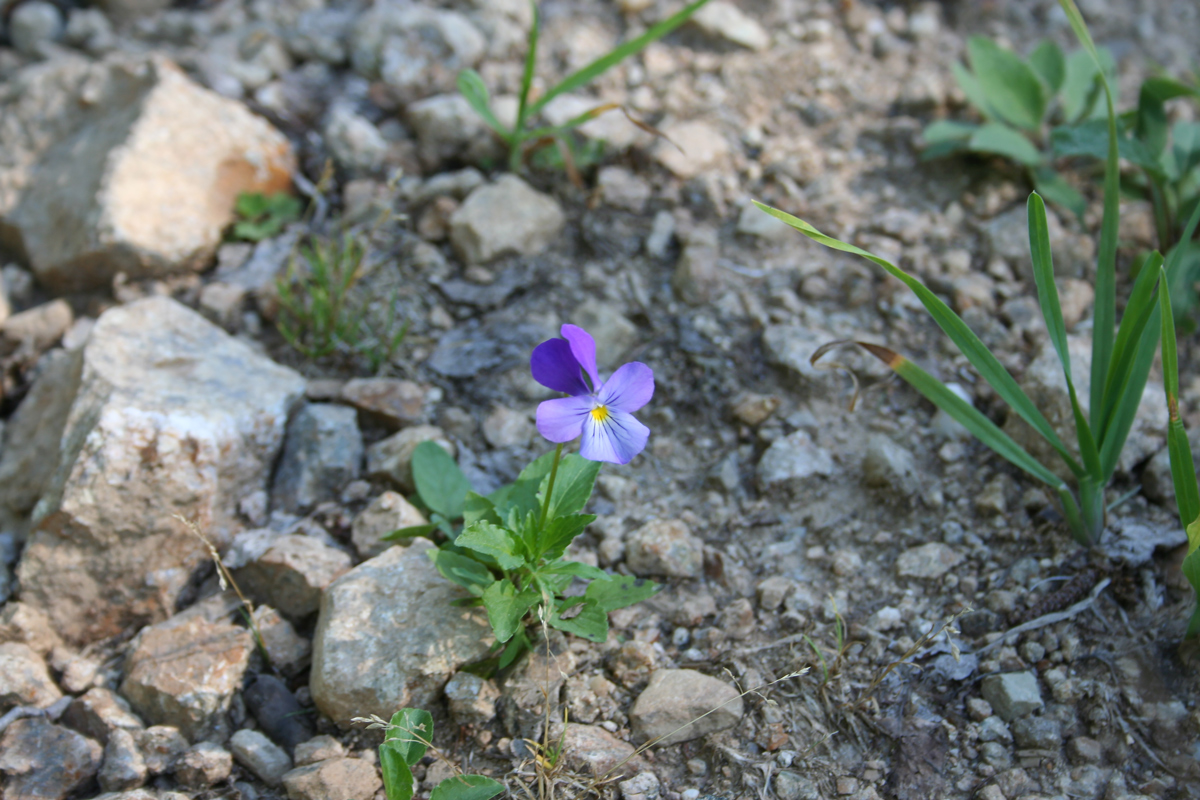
602,413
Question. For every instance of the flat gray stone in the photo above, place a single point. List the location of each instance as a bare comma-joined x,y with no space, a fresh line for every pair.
260,755
929,561
323,453
1013,695
508,217
676,697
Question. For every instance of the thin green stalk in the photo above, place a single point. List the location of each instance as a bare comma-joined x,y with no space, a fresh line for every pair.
550,488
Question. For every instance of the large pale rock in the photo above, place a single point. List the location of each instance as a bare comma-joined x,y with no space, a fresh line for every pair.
676,697
508,217
387,636
24,679
1047,388
172,417
184,672
125,165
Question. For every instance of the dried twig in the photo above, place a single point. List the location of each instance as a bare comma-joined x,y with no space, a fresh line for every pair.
1049,619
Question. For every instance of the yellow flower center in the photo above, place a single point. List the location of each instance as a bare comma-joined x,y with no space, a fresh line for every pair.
600,413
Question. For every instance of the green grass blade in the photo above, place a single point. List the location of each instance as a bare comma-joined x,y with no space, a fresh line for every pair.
1183,468
1043,277
527,76
1138,312
1144,350
970,417
989,368
585,75
475,91
1105,313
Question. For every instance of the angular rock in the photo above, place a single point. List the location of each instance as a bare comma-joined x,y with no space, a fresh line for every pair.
1037,733
698,279
318,748
674,697
288,651
161,746
44,761
505,427
260,755
791,460
35,431
25,624
100,712
1013,694
643,786
507,217
612,330
594,751
665,547
202,765
392,458
124,768
125,165
888,465
292,573
27,335
792,346
704,149
386,513
724,20
277,710
930,561
537,677
343,778
445,126
355,142
472,699
33,25
391,401
185,673
24,678
755,409
387,636
323,452
172,417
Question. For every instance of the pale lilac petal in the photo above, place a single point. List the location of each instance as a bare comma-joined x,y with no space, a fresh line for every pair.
583,346
616,440
561,420
629,388
554,366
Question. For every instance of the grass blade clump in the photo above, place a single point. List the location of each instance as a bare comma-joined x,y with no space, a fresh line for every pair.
522,138
1120,362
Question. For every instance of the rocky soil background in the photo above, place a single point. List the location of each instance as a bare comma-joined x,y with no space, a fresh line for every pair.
152,412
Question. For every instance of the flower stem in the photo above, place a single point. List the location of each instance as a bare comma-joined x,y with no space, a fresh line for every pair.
550,488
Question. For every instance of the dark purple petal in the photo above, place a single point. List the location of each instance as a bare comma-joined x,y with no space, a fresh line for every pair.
561,420
616,440
583,346
554,367
629,388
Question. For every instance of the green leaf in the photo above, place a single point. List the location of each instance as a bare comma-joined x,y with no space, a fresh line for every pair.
973,91
440,482
1012,88
466,572
1043,276
1091,139
475,92
998,138
410,532
591,622
1186,137
466,787
513,650
1191,571
574,569
478,508
587,74
1048,62
946,130
410,731
559,533
1151,127
522,494
1055,188
619,591
572,486
398,781
250,204
523,112
1139,311
494,541
506,607
1081,85
989,368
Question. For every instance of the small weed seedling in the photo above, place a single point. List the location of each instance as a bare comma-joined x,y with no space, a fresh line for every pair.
521,138
1120,364
261,216
318,315
407,738
1018,100
509,551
